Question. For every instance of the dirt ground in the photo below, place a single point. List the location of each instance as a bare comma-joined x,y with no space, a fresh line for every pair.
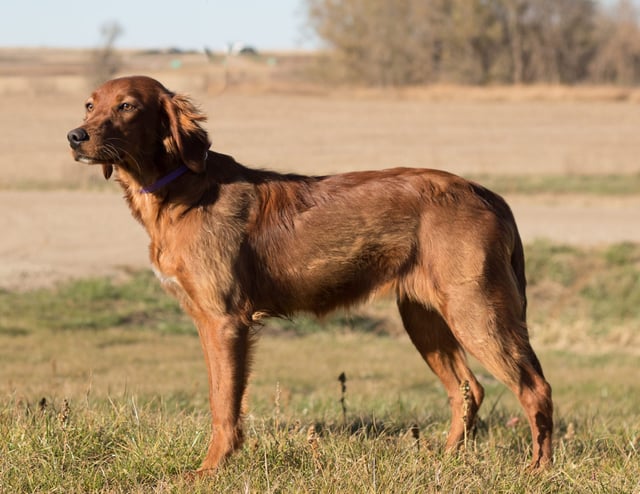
55,223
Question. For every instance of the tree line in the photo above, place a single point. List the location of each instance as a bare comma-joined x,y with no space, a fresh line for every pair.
405,42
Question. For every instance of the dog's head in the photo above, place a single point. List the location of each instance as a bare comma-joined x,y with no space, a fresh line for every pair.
136,123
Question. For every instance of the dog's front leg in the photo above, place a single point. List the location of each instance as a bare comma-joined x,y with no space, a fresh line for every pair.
226,344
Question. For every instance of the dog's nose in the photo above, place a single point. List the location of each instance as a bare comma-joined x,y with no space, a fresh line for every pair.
77,137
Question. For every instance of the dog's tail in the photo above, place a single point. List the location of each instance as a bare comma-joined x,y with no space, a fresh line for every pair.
517,264
502,210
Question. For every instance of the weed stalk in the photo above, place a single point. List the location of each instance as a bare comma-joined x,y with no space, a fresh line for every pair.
343,391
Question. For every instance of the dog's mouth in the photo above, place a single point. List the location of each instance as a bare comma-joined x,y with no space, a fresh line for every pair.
96,159
87,160
90,160
107,166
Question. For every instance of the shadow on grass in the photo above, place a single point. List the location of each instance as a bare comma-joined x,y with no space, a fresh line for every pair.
339,322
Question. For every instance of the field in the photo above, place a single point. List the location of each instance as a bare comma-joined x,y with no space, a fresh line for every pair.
102,381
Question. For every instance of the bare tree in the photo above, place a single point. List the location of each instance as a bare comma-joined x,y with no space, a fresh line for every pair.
472,41
513,16
618,58
547,40
105,61
381,42
398,42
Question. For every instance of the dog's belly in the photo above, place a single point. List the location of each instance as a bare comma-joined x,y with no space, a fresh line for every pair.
342,277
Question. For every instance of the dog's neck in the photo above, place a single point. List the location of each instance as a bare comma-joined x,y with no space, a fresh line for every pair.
164,181
148,202
175,192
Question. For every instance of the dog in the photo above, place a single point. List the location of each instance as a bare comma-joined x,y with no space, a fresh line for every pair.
236,244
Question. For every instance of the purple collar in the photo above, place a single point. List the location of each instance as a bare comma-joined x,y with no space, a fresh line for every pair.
164,180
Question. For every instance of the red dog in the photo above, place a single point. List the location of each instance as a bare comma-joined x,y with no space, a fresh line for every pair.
236,244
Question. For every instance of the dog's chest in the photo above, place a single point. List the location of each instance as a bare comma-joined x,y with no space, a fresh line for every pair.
163,264
168,281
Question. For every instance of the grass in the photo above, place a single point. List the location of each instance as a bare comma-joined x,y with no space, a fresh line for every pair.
590,185
598,185
93,182
93,304
593,291
103,389
297,440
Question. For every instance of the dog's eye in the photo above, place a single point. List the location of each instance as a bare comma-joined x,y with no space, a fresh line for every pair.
89,107
126,107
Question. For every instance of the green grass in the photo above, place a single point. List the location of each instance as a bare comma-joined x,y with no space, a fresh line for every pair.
599,185
93,304
597,290
85,182
129,366
592,185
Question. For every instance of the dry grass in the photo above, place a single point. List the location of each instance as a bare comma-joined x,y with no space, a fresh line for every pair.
497,93
136,420
125,396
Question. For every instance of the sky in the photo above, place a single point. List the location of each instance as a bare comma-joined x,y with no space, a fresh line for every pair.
185,24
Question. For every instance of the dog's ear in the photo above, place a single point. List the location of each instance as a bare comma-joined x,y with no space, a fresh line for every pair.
187,141
107,170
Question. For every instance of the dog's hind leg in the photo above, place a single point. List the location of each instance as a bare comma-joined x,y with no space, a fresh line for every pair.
433,339
490,326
